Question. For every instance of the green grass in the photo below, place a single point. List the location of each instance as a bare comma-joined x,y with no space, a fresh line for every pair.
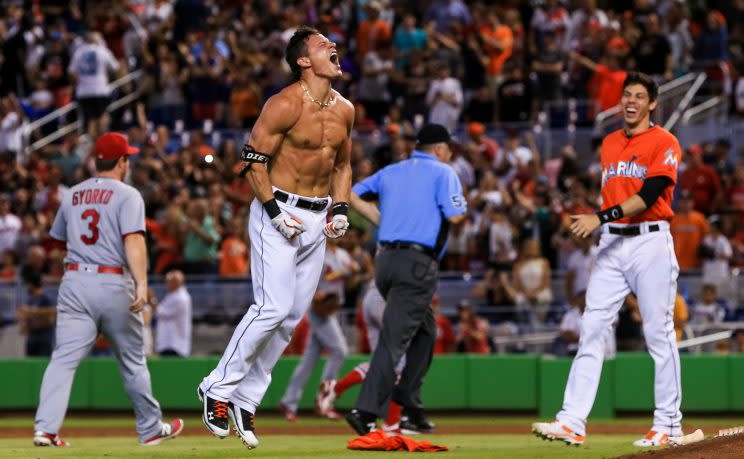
461,446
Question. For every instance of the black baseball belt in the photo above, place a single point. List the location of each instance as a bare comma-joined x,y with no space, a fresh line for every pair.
307,204
631,230
404,245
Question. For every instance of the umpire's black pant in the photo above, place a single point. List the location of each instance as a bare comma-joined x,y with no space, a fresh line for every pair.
407,279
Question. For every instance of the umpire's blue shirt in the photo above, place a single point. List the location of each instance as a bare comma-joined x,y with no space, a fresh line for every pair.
416,197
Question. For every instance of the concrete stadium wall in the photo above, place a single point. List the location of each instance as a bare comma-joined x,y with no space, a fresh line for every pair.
514,382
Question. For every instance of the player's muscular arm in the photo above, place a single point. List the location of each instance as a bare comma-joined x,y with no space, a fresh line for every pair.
134,247
341,182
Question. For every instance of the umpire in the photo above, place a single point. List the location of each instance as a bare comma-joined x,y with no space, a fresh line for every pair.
418,199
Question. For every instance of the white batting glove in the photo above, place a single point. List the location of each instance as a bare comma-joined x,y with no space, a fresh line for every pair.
336,227
288,225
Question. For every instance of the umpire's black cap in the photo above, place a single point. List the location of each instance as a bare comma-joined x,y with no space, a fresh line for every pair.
433,133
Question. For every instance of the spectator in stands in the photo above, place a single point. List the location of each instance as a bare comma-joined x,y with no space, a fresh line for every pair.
531,282
234,250
570,330
498,42
408,38
10,225
8,265
49,198
652,52
607,83
552,18
711,46
445,12
677,29
701,181
202,240
548,66
629,333
516,96
688,227
36,263
446,340
374,33
90,66
680,316
472,331
372,89
710,309
579,265
11,123
444,98
173,313
37,318
716,253
738,340
486,146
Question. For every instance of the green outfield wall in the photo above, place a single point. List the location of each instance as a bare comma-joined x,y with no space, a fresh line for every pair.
710,383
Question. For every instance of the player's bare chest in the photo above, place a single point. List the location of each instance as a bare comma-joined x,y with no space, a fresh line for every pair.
318,130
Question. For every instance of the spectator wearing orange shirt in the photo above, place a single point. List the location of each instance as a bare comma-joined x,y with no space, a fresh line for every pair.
245,103
472,331
234,251
607,84
701,181
688,228
498,42
446,338
374,33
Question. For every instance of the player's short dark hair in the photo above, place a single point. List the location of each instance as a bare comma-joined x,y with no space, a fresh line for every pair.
645,81
105,165
297,48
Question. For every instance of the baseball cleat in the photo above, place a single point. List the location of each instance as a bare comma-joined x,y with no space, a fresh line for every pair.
413,422
45,439
391,429
243,424
325,398
214,415
289,415
653,438
557,431
361,421
168,431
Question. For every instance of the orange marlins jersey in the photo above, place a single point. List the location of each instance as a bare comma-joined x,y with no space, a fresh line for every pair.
626,162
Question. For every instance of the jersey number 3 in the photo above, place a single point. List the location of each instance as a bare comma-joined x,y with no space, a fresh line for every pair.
94,217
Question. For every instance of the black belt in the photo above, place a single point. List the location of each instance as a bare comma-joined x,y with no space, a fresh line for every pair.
631,230
315,206
402,245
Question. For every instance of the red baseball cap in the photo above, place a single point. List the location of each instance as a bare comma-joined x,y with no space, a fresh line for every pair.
113,145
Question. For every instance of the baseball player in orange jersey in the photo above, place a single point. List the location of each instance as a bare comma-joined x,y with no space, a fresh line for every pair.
636,254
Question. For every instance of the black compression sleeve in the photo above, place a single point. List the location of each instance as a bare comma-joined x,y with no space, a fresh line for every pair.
652,188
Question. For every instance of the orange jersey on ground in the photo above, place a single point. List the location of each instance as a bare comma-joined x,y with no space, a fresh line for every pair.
627,162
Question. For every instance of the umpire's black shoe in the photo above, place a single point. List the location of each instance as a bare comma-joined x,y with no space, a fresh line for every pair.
214,415
361,421
413,422
243,423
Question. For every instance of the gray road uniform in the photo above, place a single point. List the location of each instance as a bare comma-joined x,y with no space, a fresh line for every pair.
95,294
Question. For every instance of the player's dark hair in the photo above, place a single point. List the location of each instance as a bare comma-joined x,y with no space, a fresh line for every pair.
105,165
297,48
645,81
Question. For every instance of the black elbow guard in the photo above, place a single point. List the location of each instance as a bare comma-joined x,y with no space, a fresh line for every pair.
250,156
652,189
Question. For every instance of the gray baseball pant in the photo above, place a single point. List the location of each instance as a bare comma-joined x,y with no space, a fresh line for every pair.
325,333
87,303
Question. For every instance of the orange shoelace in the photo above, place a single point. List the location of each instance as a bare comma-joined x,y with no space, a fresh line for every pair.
220,409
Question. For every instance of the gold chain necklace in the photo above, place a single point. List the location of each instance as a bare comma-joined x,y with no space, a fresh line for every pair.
320,104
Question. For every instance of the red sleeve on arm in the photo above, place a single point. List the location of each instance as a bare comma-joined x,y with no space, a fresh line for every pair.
57,244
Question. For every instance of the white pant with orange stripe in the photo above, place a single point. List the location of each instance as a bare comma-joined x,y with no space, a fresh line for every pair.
647,266
285,275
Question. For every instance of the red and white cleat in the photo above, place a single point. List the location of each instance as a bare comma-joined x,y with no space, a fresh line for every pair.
557,431
325,398
168,431
45,439
653,438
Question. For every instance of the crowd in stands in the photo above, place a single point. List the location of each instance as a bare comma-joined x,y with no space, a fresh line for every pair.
483,69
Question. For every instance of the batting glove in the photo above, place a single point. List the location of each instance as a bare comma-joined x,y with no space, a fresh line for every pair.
288,225
336,227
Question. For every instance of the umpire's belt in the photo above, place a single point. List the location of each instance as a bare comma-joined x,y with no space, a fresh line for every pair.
634,230
403,245
94,268
302,203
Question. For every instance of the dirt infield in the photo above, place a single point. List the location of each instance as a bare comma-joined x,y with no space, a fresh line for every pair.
340,429
718,448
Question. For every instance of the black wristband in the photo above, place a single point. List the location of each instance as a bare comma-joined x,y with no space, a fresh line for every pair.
340,208
611,214
272,208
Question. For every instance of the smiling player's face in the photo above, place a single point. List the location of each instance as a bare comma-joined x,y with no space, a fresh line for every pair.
324,59
636,105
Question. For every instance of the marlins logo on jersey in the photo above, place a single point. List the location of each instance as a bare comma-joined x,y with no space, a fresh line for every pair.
630,169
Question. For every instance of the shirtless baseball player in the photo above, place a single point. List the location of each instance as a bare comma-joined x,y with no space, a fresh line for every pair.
102,221
298,154
636,254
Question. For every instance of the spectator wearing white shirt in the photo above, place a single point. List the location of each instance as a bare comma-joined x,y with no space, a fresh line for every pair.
10,225
173,332
444,98
716,251
579,265
11,122
91,65
709,310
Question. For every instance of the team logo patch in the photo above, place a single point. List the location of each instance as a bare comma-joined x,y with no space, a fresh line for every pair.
458,201
670,159
628,169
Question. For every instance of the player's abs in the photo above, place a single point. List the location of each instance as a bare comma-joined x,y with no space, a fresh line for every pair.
306,172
